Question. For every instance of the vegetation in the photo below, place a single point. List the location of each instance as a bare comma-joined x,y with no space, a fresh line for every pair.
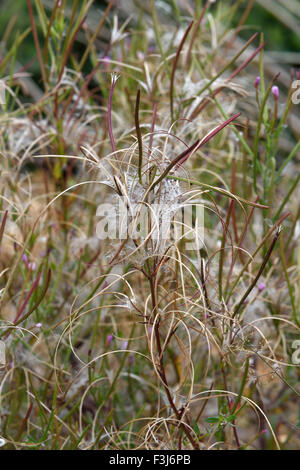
147,341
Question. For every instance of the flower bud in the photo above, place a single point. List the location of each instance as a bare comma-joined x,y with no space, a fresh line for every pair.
108,340
275,91
261,286
257,82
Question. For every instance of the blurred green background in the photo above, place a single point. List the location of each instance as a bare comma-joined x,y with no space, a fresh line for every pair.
278,19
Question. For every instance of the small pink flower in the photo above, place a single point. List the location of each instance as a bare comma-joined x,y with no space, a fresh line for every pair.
140,55
261,286
32,266
124,345
38,325
257,82
275,92
109,340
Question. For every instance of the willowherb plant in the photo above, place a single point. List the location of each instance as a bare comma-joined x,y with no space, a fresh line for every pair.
149,237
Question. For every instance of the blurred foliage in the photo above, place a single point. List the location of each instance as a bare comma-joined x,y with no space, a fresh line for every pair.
14,15
278,37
